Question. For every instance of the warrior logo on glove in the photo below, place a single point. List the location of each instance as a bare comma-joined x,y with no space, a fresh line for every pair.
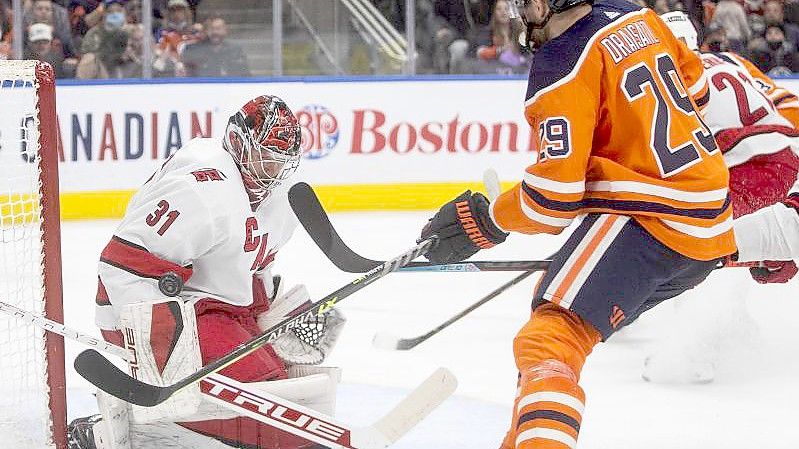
463,226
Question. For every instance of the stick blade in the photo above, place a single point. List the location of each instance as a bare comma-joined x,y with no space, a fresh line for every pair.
314,219
391,342
417,406
386,341
106,376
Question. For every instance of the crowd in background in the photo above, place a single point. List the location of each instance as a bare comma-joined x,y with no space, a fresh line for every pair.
105,38
90,39
473,36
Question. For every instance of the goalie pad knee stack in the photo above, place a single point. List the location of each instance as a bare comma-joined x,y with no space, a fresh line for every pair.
163,337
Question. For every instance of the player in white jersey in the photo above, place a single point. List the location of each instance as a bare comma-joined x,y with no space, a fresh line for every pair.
187,276
755,124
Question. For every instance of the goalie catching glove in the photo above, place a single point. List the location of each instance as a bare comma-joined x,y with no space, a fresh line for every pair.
463,226
309,342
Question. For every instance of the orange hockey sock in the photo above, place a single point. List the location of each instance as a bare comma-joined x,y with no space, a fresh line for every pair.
549,409
550,352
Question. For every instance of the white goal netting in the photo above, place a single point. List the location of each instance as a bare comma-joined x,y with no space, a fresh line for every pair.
25,419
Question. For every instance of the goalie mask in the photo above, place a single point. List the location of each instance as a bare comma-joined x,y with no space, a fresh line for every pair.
264,139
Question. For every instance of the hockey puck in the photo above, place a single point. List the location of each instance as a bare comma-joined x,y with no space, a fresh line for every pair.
170,284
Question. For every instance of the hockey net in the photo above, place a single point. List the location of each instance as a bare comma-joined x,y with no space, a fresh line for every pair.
32,384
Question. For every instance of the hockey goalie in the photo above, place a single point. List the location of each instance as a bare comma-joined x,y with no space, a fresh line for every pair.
186,278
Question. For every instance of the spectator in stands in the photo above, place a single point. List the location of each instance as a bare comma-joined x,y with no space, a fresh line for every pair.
731,16
44,11
661,6
498,48
40,46
715,40
83,15
451,40
5,32
104,44
132,59
178,31
791,9
133,11
774,54
214,56
773,14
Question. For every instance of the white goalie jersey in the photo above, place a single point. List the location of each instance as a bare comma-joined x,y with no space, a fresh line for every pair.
193,217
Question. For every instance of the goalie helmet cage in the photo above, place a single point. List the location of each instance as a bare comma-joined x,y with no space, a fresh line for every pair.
32,380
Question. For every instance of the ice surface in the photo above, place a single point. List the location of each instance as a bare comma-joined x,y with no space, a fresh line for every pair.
751,404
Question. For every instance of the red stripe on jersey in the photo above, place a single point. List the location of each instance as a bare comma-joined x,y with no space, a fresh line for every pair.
137,260
729,138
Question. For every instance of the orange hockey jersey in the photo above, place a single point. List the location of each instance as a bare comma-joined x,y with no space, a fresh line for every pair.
614,102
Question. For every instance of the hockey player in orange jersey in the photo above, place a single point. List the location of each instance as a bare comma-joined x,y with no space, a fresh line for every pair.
613,97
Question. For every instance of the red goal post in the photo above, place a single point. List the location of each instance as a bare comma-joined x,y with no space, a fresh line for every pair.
32,368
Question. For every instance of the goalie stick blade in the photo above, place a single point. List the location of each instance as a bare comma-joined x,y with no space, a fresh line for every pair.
314,219
106,376
416,406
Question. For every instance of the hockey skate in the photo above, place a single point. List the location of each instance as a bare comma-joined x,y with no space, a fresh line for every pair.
80,432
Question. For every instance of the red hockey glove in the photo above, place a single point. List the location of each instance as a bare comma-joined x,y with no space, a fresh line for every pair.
774,272
463,227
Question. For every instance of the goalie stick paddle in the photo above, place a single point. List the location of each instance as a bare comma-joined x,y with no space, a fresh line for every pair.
314,219
106,376
388,341
273,410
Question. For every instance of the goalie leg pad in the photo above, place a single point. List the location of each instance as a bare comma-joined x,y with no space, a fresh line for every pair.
310,386
113,430
168,435
163,337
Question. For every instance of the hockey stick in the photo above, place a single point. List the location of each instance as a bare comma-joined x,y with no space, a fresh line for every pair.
105,375
282,413
317,223
388,341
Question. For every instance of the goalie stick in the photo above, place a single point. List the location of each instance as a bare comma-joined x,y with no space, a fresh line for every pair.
314,219
388,341
284,414
106,376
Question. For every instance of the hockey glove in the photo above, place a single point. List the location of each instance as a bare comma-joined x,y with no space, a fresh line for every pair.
307,343
463,227
774,272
